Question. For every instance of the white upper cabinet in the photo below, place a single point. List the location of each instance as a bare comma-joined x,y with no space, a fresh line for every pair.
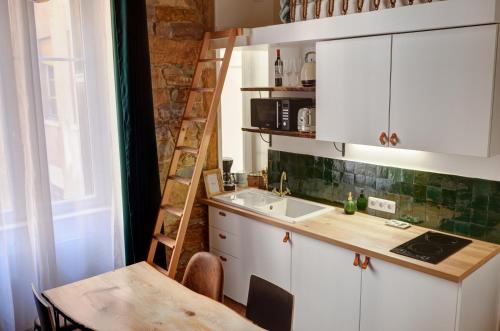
353,89
442,90
434,91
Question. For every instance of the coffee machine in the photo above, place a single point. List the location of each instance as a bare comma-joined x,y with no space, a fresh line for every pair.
227,176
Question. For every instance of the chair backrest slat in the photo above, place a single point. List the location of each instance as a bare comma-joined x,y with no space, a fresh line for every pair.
44,310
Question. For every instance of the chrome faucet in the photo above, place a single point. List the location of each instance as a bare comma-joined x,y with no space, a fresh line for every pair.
282,193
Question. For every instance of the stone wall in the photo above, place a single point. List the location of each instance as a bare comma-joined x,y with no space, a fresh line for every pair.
176,29
459,205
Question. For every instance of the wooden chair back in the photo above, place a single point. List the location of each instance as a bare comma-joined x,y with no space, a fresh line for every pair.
269,306
204,275
44,310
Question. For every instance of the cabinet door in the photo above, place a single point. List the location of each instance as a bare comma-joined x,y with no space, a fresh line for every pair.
326,286
394,298
225,242
442,89
224,220
352,89
265,254
234,279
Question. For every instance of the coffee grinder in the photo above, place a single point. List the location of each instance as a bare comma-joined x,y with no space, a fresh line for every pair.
227,177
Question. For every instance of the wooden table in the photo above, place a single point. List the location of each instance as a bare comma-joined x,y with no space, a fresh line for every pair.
139,297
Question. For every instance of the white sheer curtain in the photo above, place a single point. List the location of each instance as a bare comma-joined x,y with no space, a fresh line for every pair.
60,194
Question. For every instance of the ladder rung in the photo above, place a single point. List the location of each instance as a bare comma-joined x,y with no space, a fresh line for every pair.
160,269
225,33
177,211
186,149
212,60
203,89
195,119
181,180
167,241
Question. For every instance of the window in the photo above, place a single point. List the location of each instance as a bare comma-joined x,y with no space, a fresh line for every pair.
65,94
77,93
51,113
247,68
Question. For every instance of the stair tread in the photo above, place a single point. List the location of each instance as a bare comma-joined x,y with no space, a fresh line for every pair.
179,179
177,211
203,89
187,149
195,119
211,59
160,269
165,240
225,33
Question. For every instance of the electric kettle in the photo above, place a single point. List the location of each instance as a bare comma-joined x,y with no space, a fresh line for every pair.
308,72
306,119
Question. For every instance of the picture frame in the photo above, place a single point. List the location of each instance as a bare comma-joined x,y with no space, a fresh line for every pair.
213,182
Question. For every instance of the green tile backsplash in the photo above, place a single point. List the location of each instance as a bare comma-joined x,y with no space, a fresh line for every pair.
459,205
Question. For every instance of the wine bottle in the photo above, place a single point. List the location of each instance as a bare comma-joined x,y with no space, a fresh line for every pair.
278,70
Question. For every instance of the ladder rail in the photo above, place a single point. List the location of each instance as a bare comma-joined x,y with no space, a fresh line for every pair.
176,154
205,141
201,154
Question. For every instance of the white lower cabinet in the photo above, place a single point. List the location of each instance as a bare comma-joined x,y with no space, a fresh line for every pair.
333,294
267,253
234,279
326,286
247,247
395,298
335,291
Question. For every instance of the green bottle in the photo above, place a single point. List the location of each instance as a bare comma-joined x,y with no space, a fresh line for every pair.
362,202
349,205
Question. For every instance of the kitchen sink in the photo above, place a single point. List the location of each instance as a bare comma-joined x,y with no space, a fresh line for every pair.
286,208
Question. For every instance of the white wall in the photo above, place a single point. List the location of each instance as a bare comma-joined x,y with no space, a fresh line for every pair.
245,13
486,168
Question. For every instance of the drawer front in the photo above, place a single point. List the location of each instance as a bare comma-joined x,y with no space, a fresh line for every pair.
224,220
235,282
225,242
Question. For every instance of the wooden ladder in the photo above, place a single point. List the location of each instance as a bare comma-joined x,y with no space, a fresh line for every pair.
188,119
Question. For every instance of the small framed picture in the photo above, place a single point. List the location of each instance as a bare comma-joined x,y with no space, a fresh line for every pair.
213,182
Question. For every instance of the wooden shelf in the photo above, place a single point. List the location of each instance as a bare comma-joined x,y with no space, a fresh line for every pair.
308,135
280,89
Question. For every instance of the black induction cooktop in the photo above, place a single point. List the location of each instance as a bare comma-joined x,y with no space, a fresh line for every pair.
431,247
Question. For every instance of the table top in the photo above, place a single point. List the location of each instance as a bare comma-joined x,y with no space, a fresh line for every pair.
139,297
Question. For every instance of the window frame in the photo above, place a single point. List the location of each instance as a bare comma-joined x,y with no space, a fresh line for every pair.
99,159
93,154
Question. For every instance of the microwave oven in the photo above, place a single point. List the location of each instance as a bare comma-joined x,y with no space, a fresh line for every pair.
277,113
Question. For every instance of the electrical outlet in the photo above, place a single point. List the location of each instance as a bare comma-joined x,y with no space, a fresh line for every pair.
386,206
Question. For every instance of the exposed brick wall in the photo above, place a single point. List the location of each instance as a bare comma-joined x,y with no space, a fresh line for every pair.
176,29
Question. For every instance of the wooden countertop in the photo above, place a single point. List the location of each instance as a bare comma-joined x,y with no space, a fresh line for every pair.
368,235
138,297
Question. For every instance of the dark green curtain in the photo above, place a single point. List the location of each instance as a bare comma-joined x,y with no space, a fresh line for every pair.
139,161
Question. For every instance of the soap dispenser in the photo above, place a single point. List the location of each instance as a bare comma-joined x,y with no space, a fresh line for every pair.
350,205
